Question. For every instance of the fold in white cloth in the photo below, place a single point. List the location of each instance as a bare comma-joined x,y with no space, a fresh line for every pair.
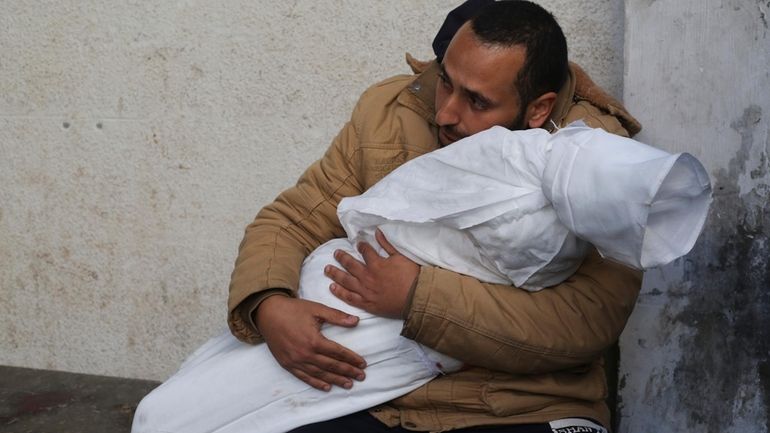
506,207
521,207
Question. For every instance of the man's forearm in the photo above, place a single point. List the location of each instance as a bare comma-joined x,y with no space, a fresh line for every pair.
247,310
287,230
509,329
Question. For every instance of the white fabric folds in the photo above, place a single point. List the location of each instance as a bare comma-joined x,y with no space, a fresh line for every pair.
519,207
505,207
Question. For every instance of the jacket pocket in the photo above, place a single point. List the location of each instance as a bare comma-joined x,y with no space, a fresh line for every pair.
503,401
506,395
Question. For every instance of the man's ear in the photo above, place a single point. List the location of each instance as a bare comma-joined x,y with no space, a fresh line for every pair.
540,109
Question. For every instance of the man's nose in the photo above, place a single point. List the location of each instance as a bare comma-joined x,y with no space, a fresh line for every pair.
446,114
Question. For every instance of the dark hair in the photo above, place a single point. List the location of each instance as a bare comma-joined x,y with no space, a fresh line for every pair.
518,22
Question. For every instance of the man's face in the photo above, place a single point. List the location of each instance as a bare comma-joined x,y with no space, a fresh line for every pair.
476,89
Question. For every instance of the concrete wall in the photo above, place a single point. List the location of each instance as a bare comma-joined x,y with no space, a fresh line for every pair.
137,139
696,355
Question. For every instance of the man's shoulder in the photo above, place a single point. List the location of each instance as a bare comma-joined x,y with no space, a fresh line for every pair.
391,89
377,117
385,92
598,108
393,119
409,94
398,111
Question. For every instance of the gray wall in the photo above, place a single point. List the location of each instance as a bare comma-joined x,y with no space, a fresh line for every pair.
138,138
696,354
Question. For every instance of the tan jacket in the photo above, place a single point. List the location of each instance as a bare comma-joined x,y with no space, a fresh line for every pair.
536,356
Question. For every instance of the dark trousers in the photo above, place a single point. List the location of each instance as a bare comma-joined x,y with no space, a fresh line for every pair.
362,422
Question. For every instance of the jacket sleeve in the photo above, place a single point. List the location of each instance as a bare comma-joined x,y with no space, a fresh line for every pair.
287,230
507,329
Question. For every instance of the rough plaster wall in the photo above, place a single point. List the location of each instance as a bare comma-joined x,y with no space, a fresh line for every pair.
696,355
137,139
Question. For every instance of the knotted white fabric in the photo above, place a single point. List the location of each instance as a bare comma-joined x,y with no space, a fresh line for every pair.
637,204
505,207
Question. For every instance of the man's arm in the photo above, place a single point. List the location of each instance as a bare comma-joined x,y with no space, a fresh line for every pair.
262,303
508,329
491,325
286,231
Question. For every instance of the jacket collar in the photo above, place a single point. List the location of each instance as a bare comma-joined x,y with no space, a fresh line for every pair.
420,94
587,90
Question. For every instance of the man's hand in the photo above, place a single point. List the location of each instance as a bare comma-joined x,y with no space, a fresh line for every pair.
379,285
291,328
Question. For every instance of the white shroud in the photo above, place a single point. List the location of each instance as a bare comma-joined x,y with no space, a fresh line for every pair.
506,207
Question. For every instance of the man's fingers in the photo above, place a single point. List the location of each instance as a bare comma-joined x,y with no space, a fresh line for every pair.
350,297
387,246
335,316
329,363
327,376
332,364
343,278
310,380
368,252
340,368
303,350
336,351
334,371
353,266
331,349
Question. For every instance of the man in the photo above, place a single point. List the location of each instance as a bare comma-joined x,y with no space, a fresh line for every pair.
535,358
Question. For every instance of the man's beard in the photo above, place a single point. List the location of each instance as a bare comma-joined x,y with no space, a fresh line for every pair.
519,122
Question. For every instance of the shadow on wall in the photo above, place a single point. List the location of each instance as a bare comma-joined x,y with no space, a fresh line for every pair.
725,369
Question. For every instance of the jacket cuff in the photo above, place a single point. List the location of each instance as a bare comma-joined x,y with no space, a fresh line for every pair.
245,315
410,296
251,304
415,304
